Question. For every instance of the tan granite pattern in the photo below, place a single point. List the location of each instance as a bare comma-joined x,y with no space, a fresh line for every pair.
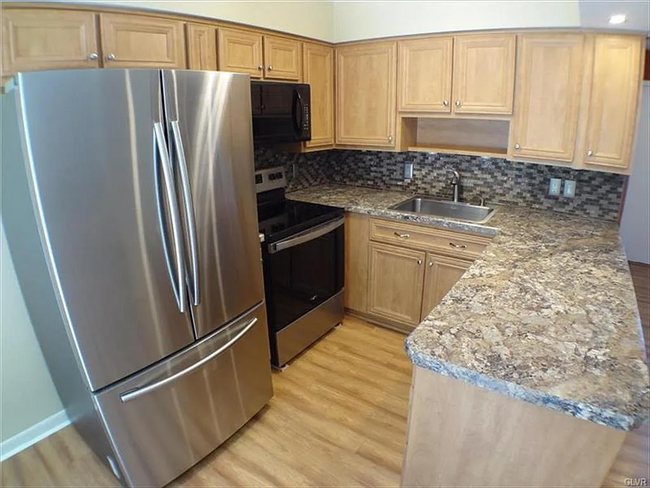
547,314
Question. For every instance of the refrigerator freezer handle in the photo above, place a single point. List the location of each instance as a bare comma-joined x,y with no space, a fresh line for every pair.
133,394
189,211
172,202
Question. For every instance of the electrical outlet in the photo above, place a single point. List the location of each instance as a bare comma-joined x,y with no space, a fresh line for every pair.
554,187
570,188
408,171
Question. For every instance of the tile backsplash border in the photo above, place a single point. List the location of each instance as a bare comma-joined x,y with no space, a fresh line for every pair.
499,181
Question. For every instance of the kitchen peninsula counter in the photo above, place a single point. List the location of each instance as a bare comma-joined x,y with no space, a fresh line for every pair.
547,314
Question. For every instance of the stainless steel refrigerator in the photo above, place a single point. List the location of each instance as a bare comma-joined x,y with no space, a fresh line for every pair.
129,206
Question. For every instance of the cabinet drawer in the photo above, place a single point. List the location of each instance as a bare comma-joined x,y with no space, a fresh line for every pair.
427,238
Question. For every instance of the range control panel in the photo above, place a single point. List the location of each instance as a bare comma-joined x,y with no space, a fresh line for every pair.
270,179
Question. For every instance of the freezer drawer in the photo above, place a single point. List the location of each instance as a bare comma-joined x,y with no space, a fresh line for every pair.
166,419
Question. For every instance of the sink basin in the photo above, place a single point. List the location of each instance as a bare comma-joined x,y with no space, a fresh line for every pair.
454,210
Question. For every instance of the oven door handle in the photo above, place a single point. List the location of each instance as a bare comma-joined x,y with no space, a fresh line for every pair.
306,236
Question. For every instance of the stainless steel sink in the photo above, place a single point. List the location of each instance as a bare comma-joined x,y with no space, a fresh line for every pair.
454,210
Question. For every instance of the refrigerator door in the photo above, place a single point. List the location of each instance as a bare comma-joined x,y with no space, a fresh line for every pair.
109,218
209,128
168,418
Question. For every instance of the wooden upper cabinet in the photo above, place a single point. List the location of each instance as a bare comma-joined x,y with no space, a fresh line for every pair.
201,47
396,278
442,273
425,74
318,72
240,52
39,39
140,41
547,100
282,58
484,73
613,102
365,101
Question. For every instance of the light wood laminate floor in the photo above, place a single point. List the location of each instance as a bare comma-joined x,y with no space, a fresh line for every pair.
338,418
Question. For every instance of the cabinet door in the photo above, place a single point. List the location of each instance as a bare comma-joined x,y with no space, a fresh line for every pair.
134,41
425,74
484,73
240,52
547,100
282,59
365,102
441,275
396,278
201,47
612,112
318,72
34,39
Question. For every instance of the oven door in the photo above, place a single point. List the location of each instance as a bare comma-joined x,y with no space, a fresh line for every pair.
280,112
303,271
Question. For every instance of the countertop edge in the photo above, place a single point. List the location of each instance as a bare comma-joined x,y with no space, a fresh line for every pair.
582,411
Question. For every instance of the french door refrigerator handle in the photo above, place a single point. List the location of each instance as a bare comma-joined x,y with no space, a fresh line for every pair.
172,202
189,211
135,393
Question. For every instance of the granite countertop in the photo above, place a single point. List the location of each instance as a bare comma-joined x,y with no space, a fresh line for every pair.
547,314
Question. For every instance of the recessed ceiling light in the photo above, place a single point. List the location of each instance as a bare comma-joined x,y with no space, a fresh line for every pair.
617,19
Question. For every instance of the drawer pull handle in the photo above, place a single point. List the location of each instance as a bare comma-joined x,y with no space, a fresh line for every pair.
458,246
402,236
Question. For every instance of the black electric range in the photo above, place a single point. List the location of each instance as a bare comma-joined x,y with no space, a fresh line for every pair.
303,259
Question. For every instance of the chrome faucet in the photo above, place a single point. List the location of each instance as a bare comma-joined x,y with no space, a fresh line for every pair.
455,183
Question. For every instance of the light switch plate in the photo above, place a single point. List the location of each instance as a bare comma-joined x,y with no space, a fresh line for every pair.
554,187
569,188
408,171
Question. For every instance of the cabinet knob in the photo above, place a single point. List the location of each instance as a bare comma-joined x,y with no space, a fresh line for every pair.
419,261
260,67
270,67
430,264
590,153
458,103
517,147
445,103
390,138
93,56
111,57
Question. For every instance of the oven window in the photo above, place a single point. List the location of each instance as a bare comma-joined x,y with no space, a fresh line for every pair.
304,276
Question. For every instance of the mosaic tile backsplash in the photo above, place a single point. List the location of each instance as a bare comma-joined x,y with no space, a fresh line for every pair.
497,180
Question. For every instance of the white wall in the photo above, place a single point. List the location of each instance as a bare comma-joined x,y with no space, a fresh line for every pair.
371,19
635,225
311,18
27,394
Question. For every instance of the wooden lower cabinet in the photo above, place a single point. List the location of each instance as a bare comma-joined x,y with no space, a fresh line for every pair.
396,278
441,275
355,295
397,272
459,434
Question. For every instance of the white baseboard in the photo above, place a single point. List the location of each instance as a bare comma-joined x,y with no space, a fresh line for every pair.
31,436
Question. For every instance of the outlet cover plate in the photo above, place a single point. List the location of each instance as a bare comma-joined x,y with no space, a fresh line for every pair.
554,187
408,171
569,188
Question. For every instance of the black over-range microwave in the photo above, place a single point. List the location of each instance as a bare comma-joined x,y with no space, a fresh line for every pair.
281,112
